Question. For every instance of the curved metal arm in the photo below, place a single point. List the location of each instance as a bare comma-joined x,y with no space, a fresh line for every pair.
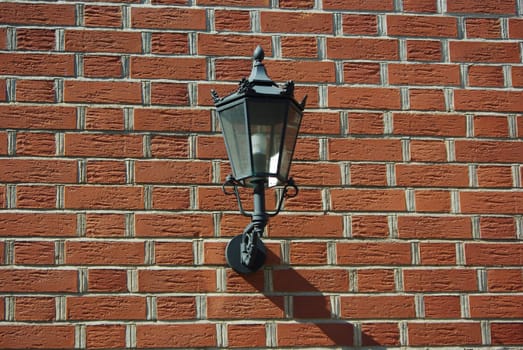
232,182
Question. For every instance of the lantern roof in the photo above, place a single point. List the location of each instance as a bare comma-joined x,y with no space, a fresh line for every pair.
258,84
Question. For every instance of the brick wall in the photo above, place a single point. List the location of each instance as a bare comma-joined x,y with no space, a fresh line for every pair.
408,227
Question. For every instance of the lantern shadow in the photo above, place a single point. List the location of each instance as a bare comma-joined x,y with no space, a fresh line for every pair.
312,313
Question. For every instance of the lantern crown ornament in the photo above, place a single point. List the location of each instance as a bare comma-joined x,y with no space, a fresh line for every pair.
260,122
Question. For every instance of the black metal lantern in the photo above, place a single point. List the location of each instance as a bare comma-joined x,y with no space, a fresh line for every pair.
260,124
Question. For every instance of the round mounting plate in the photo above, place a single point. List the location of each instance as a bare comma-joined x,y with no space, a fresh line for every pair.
233,256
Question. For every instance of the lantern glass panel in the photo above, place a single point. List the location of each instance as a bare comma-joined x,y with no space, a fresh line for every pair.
234,128
267,124
291,133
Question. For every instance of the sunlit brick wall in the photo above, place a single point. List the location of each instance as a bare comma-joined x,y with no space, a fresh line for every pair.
408,228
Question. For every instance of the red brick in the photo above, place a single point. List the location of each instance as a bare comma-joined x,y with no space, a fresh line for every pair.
429,124
178,120
312,307
496,306
176,335
438,254
145,67
362,49
241,45
517,76
302,71
432,175
428,333
176,308
171,198
103,66
371,253
505,280
318,334
494,254
359,5
211,147
169,172
105,225
44,14
368,200
308,253
489,7
360,24
442,306
424,50
239,3
35,309
36,196
308,200
494,176
515,26
380,334
366,123
169,94
491,202
104,253
3,42
424,74
434,227
490,126
431,26
246,335
168,18
38,281
248,307
301,226
189,280
430,201
106,308
296,22
484,28
33,336
34,253
440,280
361,73
420,6
304,4
507,333
489,151
488,100
362,174
497,228
369,226
107,280
37,224
35,144
37,64
486,76
169,147
376,280
323,280
177,226
38,170
232,21
484,51
169,43
103,145
35,39
104,119
378,307
365,149
105,336
314,174
299,47
364,98
173,253
102,92
427,100
232,69
103,41
102,16
104,197
106,172
244,283
35,91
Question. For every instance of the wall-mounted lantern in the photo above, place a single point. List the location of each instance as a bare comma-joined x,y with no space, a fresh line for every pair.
260,124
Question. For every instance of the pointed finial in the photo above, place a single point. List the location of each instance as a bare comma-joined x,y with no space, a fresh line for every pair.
258,55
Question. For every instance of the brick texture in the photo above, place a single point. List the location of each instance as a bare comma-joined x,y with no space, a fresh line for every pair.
407,231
